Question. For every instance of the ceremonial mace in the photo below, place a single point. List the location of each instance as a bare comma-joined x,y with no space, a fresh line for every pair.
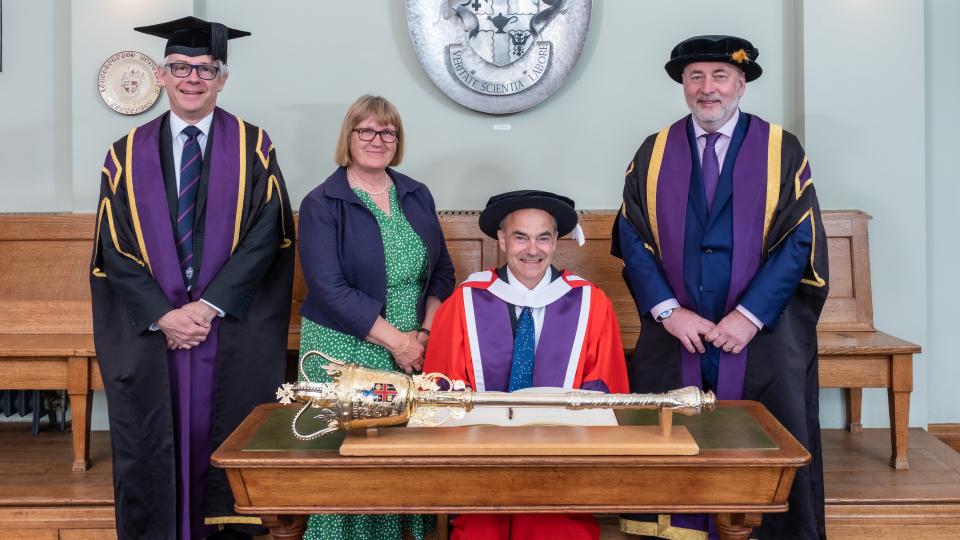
360,398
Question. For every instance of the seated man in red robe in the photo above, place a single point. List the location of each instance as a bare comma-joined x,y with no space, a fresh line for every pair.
528,324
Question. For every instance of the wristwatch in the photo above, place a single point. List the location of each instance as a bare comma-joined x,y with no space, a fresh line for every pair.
664,314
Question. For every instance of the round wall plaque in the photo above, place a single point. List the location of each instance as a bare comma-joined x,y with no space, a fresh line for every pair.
498,56
128,82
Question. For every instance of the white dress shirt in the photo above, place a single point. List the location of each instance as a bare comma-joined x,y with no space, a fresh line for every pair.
536,312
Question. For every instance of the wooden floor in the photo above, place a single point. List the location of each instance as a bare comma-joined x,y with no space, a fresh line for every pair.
41,498
867,499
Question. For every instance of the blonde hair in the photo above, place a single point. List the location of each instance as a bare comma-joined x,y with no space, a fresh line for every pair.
382,111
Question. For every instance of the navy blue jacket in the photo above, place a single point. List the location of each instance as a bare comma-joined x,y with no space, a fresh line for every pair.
341,253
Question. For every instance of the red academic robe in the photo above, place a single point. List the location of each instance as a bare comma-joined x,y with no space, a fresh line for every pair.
579,347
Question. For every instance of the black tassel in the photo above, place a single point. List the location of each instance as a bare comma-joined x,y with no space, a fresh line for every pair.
218,42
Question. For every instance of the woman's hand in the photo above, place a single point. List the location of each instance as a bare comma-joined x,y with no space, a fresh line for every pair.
408,354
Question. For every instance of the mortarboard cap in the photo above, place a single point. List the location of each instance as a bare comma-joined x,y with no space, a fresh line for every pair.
191,36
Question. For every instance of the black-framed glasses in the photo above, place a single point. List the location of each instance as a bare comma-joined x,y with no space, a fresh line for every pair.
386,135
181,70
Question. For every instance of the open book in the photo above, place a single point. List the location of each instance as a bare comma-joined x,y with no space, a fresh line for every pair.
536,416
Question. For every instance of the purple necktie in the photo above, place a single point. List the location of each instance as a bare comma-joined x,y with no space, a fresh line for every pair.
710,167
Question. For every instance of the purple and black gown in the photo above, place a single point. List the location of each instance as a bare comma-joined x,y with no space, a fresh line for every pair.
765,204
169,410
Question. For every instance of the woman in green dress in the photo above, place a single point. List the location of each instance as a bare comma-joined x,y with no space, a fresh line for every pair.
376,268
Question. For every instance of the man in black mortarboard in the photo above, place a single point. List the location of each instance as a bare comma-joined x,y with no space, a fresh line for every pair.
725,255
528,324
191,279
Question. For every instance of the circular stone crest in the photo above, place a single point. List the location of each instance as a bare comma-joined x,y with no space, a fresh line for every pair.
128,82
498,56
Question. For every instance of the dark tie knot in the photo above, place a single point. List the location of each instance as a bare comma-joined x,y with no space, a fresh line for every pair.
191,132
711,138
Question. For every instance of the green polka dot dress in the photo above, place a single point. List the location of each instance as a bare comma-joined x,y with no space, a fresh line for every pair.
406,259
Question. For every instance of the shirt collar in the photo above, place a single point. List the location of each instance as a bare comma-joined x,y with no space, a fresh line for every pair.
177,124
726,129
547,278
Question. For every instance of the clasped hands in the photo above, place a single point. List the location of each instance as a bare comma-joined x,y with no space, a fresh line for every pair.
731,334
188,326
409,352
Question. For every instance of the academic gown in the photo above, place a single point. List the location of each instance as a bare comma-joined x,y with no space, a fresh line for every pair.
761,245
169,410
579,347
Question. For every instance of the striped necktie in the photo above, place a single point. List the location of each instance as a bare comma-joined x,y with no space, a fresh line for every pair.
191,163
524,349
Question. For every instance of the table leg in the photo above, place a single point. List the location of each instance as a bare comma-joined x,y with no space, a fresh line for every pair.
854,406
898,398
288,527
78,388
736,526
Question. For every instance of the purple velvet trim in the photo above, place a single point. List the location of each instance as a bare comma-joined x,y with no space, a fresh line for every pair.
192,380
556,339
673,189
805,175
221,208
151,199
695,522
749,206
109,165
597,385
495,337
265,145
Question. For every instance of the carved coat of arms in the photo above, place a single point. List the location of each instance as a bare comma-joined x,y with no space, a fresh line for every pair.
498,56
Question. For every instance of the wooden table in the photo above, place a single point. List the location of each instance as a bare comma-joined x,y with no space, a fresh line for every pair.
745,468
55,362
857,360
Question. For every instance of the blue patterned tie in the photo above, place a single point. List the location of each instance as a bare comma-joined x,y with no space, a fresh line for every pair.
710,167
191,163
524,348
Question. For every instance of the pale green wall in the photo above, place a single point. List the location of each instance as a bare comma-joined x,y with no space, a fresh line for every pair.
943,192
34,98
864,121
848,76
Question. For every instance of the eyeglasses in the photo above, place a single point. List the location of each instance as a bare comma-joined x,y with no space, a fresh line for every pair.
181,70
386,135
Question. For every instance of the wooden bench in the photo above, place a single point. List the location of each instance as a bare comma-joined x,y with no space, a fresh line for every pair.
45,326
853,354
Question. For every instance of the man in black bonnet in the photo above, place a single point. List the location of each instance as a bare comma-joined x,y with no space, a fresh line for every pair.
725,255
